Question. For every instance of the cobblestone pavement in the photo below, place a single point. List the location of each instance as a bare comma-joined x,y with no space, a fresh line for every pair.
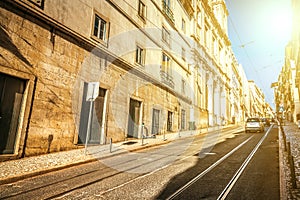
289,137
30,166
13,170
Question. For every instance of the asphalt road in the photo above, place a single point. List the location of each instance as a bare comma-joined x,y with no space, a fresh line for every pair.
192,168
258,178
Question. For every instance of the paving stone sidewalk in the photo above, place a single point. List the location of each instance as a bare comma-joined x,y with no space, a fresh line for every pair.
30,166
14,170
290,168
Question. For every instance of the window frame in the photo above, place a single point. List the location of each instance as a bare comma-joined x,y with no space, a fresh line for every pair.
166,67
183,25
105,36
183,54
183,120
142,12
166,36
140,55
206,36
183,86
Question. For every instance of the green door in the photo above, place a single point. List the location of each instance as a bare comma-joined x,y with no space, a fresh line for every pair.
134,118
11,94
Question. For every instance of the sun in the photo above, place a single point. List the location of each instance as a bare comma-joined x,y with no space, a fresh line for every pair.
281,23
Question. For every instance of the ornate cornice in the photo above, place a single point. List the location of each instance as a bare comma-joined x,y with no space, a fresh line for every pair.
208,10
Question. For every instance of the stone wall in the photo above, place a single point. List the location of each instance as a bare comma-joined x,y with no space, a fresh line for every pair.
55,64
31,47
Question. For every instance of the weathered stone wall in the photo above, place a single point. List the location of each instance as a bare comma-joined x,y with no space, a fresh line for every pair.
54,61
60,63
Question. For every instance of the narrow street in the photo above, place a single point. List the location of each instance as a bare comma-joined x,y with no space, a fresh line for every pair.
190,168
137,99
237,177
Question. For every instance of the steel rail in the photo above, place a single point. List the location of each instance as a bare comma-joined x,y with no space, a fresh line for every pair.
82,185
191,182
239,172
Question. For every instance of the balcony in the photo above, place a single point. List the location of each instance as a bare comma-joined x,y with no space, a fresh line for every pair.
167,11
167,79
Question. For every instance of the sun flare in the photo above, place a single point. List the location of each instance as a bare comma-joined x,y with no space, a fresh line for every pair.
281,23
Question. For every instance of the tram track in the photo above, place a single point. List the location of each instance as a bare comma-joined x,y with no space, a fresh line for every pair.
175,194
238,173
105,174
227,189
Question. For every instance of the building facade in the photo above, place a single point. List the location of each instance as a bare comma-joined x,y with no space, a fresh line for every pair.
73,72
257,100
286,90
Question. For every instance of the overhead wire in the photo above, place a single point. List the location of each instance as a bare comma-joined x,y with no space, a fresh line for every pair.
242,45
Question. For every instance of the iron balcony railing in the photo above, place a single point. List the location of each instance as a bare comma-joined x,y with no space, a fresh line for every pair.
167,11
167,79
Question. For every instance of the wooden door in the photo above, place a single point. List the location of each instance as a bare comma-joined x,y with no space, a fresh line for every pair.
11,94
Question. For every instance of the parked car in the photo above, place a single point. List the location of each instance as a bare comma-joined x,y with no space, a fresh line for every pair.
254,124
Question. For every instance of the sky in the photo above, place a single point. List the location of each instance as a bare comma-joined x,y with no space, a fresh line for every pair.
259,30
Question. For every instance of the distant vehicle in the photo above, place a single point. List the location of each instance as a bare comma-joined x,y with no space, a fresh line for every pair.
254,124
266,121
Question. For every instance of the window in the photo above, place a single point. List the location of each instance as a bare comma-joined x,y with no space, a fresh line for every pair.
183,86
215,47
100,28
183,28
167,3
182,119
140,55
183,54
167,10
198,32
142,10
199,19
222,55
166,71
219,51
206,37
166,64
165,35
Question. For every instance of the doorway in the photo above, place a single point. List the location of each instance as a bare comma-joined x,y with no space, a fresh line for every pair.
155,122
97,129
170,121
11,95
182,120
134,118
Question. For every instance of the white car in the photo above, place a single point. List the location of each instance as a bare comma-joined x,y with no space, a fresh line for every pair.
254,124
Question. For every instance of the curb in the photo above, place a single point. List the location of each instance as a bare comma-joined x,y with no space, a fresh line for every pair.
282,174
41,172
65,166
45,171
